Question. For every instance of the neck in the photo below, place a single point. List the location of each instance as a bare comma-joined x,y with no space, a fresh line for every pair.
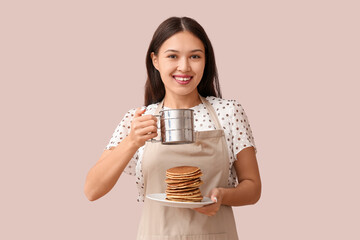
182,102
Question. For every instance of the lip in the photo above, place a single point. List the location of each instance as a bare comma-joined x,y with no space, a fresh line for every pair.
182,76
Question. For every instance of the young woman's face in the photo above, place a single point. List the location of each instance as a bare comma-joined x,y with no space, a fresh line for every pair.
181,63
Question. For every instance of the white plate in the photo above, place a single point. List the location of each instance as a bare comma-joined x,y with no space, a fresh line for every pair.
160,198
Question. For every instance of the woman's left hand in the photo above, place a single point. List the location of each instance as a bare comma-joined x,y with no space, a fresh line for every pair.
211,209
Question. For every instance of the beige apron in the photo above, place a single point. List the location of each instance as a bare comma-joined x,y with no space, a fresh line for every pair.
210,154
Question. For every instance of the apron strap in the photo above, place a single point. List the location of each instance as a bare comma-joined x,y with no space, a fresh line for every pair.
210,108
160,106
212,112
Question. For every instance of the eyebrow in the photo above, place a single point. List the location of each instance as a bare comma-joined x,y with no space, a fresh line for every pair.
195,50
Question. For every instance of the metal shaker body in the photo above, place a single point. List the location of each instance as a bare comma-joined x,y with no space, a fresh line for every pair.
177,126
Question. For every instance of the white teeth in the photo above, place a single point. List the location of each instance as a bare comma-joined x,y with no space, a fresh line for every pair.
182,79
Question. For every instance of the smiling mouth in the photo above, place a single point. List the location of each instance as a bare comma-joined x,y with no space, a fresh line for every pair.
182,80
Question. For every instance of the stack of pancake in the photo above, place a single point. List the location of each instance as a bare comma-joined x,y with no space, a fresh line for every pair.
183,184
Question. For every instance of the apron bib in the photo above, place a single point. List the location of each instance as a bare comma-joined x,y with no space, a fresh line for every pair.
210,154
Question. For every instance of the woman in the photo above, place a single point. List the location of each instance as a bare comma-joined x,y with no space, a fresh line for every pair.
182,74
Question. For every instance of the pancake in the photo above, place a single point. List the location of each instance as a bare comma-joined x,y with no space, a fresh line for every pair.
179,186
197,196
181,190
183,184
175,178
183,175
198,199
182,170
187,193
168,180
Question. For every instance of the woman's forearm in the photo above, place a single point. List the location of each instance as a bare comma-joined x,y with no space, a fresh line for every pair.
245,193
104,175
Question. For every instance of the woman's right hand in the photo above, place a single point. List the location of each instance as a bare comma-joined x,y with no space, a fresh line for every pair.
143,128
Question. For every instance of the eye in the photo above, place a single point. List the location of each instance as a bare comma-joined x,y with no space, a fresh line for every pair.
172,56
195,56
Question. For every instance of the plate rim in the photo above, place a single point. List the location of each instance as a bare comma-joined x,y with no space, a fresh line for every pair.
177,204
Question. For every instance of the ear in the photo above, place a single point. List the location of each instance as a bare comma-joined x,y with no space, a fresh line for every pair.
155,60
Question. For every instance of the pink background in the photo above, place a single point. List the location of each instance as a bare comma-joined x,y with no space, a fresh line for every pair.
70,70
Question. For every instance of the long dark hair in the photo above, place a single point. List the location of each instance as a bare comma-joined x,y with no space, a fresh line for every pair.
154,87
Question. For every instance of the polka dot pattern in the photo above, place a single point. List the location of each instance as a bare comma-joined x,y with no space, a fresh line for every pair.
232,118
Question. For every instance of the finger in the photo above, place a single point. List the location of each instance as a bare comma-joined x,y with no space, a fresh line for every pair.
146,130
139,111
197,210
146,118
149,136
209,207
206,208
200,210
214,195
140,125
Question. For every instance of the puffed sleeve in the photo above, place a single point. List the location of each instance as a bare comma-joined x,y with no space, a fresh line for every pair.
241,131
121,131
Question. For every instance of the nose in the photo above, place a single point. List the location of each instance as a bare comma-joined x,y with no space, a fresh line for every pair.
183,65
